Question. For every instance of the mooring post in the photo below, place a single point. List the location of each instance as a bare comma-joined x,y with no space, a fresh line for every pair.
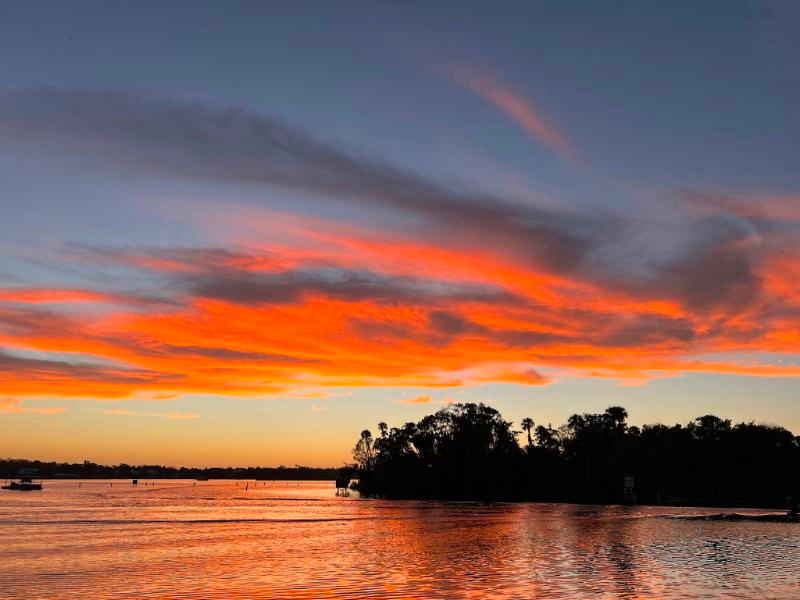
628,493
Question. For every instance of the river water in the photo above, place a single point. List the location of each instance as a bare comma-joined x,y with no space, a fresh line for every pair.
259,540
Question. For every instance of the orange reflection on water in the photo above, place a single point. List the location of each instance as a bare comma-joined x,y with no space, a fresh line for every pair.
226,539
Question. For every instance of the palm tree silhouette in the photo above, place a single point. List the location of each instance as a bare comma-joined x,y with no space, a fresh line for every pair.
527,425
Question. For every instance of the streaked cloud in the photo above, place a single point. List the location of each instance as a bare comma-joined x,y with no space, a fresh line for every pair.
165,136
516,105
473,288
421,399
14,406
314,394
435,328
172,416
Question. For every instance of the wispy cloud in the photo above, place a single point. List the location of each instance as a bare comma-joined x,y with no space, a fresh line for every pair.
479,289
165,136
421,399
14,406
729,295
314,394
173,416
513,103
525,375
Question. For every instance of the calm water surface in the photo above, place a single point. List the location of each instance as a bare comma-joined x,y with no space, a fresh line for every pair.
181,539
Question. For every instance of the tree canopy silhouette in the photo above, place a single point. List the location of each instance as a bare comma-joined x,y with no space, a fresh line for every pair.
468,451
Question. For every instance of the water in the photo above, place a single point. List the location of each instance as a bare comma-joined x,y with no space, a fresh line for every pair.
181,539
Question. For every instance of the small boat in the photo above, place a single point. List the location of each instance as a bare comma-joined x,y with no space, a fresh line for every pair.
24,484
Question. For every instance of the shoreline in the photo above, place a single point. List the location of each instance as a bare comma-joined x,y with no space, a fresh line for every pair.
726,513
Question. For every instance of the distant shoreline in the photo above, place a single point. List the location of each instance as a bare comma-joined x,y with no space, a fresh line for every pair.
10,468
771,514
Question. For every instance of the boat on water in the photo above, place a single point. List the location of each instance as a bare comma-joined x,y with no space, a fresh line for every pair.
24,484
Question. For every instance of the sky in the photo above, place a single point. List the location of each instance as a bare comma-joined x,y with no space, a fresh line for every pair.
239,233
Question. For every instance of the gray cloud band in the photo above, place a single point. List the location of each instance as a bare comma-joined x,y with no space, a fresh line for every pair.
176,137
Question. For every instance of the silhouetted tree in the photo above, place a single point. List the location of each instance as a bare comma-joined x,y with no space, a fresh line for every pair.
528,424
547,437
470,451
364,453
617,415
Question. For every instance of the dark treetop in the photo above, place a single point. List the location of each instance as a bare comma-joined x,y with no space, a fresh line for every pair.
468,451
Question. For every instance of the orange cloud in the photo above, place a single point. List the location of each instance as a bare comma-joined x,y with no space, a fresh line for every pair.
346,307
521,375
461,286
13,406
766,207
513,103
173,416
421,399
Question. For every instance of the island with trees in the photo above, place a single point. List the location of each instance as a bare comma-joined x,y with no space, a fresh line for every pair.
470,452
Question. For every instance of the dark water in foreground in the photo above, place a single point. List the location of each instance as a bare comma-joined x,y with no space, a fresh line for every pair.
279,540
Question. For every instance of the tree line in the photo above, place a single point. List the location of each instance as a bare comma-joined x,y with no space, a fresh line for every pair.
468,451
9,468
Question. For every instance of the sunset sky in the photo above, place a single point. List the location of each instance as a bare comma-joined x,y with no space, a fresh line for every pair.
237,233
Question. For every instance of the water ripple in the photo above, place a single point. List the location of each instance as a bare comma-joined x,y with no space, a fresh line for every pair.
222,540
